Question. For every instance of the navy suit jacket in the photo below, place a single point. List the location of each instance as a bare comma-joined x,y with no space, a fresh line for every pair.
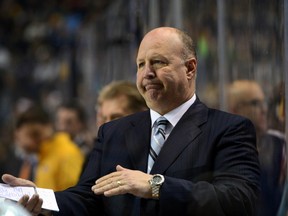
209,161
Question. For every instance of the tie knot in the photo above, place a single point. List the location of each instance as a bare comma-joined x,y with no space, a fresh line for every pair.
162,123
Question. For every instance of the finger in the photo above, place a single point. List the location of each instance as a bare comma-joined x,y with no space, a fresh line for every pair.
100,188
113,174
9,179
13,181
103,182
23,200
107,178
111,185
38,207
120,189
104,178
120,168
110,190
32,203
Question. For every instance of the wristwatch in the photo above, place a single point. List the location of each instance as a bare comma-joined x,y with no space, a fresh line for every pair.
155,182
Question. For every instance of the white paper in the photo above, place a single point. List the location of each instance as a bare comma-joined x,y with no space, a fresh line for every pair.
15,193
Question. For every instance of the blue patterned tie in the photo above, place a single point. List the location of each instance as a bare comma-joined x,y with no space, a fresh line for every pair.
157,140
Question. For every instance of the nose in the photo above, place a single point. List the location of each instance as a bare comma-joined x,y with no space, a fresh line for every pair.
264,107
149,72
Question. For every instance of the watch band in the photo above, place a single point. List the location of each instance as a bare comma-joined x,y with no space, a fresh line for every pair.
156,182
155,192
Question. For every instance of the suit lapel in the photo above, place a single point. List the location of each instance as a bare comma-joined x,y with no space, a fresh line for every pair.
138,141
183,134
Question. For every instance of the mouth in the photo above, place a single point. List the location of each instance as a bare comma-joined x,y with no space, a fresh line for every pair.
152,86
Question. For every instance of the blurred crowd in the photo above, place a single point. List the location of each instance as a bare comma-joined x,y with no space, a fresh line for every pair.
45,148
42,45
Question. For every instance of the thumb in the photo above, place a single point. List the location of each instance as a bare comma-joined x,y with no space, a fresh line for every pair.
120,168
8,179
14,181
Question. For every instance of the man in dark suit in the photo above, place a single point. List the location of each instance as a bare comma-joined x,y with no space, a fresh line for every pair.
208,164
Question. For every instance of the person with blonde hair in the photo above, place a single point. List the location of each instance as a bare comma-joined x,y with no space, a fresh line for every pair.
118,99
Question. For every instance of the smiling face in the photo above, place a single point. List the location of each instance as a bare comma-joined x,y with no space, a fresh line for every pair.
165,78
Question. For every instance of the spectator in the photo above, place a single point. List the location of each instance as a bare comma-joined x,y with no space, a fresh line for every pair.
71,118
246,98
48,157
118,99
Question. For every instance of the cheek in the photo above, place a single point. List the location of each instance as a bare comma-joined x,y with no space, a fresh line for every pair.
140,87
174,83
250,114
138,80
255,113
255,116
27,144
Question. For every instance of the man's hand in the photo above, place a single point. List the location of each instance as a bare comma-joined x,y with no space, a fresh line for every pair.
124,181
14,181
32,205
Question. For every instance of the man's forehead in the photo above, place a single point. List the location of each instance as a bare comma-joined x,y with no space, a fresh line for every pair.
158,39
67,113
154,49
157,48
118,100
30,126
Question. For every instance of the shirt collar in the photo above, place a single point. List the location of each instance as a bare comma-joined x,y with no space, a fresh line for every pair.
174,115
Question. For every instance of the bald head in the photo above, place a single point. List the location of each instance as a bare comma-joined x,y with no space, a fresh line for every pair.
242,90
166,72
246,98
189,49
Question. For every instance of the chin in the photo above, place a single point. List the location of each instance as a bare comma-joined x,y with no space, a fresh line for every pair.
151,96
29,150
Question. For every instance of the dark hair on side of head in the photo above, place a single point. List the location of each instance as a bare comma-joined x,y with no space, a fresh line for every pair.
77,107
34,114
189,45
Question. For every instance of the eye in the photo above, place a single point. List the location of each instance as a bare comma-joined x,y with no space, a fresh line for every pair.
140,65
158,63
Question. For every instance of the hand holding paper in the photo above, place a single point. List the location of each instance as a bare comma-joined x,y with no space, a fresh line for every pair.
17,193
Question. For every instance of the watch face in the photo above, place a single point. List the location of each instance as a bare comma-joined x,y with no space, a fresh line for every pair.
158,179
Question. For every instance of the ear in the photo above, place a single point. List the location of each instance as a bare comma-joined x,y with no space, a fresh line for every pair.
191,66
